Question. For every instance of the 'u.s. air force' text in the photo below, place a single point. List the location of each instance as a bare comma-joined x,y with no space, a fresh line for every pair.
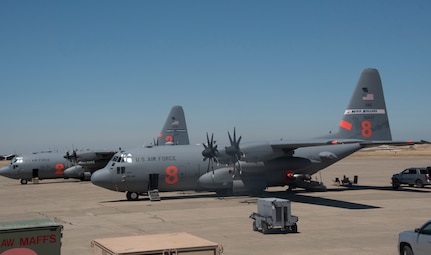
159,158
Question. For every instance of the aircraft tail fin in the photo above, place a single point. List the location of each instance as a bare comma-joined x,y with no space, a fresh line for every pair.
174,130
366,117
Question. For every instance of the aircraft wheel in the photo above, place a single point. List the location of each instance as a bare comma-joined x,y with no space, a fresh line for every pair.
132,196
23,181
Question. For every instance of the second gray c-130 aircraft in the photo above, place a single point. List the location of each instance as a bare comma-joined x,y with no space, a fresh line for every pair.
80,164
251,167
52,165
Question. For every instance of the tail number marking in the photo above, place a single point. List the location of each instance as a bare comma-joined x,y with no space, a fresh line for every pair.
171,175
366,129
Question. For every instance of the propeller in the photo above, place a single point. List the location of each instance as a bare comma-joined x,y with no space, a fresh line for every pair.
155,142
210,152
72,157
234,151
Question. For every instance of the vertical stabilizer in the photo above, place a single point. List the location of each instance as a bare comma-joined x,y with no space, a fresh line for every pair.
175,129
366,117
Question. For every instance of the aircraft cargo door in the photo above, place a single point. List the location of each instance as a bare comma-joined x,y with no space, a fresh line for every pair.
153,182
35,173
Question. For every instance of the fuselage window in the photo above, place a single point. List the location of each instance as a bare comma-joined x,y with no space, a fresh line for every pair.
121,170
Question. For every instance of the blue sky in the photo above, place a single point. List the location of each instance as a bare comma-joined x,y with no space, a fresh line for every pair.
104,74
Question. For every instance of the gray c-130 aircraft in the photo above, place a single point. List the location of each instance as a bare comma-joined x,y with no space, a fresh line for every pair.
241,168
52,165
80,164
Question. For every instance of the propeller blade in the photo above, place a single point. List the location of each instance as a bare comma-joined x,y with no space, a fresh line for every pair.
234,151
210,152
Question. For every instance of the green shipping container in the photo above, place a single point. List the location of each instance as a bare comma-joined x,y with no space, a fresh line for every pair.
30,237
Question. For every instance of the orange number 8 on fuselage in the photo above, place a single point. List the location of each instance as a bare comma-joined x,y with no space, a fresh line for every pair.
171,175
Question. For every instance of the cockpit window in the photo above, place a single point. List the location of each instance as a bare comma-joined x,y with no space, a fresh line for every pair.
17,160
123,158
126,157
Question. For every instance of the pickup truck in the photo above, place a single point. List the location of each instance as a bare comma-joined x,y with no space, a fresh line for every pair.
414,176
415,242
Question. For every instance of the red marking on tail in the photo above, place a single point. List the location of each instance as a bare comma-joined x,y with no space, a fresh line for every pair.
346,125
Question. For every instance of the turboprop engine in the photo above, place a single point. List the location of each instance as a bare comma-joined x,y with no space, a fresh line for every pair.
77,172
222,179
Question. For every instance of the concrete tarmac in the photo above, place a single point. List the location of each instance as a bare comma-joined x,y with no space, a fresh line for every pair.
363,219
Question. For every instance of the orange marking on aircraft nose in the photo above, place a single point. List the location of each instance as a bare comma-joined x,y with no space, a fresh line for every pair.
346,125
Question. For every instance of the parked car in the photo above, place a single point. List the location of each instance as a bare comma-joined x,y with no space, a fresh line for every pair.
414,176
415,242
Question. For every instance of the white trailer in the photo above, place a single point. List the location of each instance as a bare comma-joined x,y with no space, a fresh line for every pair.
272,214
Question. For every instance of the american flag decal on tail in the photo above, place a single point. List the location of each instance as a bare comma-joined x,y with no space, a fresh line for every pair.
368,97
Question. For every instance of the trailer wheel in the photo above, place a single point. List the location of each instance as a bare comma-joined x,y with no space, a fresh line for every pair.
254,226
264,227
294,228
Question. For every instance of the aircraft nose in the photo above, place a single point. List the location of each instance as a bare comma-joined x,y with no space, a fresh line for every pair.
102,178
6,172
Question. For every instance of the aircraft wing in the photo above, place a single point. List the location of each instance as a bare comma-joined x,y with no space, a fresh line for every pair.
257,152
367,144
370,143
105,154
90,160
291,145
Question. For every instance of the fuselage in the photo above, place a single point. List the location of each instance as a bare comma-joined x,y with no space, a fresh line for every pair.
43,165
181,167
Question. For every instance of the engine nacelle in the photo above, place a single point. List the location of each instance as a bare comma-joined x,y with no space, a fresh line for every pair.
222,179
218,179
74,172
